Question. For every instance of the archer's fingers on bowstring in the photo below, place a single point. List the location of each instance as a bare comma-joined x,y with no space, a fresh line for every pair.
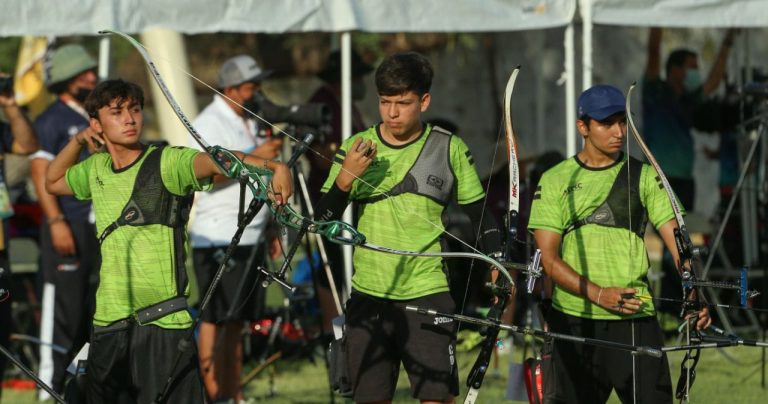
621,300
369,155
363,150
630,299
355,145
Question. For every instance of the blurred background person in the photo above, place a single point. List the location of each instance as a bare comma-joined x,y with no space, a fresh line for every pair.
69,248
238,297
17,137
669,107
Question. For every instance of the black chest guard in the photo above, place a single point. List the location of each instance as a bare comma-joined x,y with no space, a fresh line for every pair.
622,207
151,202
431,174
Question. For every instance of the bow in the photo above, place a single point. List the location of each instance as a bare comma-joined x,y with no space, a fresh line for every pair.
687,256
512,248
285,214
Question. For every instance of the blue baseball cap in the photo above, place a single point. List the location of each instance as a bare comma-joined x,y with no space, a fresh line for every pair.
601,101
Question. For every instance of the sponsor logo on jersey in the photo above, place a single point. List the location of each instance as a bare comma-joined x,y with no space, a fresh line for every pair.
571,188
435,181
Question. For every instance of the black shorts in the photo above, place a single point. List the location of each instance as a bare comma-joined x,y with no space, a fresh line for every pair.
73,281
381,334
235,281
128,359
583,373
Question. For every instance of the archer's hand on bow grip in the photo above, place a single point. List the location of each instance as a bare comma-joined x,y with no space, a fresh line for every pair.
281,186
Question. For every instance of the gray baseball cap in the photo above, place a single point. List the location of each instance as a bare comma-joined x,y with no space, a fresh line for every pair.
240,69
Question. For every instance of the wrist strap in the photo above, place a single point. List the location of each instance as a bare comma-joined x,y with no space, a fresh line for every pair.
57,218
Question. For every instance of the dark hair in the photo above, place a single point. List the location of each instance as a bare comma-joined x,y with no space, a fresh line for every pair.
110,90
60,87
678,57
403,72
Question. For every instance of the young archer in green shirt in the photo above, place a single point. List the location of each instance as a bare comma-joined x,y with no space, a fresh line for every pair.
588,217
142,264
402,173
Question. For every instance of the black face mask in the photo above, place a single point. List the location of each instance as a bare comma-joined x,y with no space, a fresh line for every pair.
81,94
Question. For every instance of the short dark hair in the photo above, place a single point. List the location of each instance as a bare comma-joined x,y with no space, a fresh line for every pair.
403,72
59,88
110,90
678,57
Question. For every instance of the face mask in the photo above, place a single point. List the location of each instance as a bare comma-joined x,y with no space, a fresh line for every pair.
82,94
692,80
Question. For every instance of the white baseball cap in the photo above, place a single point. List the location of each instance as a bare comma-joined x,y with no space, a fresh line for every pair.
240,69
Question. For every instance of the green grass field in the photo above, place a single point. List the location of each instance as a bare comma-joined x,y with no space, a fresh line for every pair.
719,380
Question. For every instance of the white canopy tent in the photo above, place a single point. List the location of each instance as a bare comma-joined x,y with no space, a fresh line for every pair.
157,20
43,17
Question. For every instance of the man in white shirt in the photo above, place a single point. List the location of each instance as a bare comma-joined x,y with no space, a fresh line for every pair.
224,122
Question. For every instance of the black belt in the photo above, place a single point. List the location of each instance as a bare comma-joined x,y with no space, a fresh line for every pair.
160,310
146,315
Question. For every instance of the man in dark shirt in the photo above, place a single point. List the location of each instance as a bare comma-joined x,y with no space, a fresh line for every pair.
668,107
68,243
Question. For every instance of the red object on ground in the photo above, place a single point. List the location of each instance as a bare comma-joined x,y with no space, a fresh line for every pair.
19,384
533,380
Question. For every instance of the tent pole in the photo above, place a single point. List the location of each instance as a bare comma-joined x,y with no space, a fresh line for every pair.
570,92
104,57
585,8
346,133
170,44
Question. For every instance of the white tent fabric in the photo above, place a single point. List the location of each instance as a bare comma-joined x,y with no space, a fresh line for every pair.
45,17
680,13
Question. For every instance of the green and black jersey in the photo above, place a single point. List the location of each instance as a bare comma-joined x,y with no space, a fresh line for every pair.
407,221
137,268
607,256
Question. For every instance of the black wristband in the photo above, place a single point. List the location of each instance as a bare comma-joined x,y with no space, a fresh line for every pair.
332,204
